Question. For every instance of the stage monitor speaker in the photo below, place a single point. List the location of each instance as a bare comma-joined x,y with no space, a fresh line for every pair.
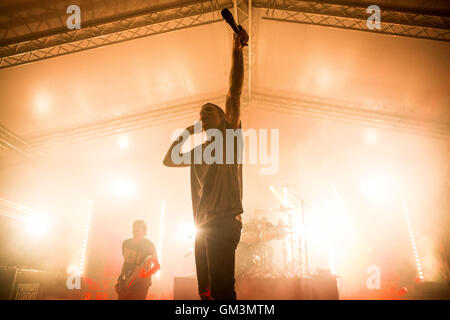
430,290
317,287
21,284
325,287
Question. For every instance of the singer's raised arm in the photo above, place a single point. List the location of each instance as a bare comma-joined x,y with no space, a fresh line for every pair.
232,106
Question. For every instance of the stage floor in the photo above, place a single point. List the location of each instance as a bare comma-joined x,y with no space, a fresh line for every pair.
302,288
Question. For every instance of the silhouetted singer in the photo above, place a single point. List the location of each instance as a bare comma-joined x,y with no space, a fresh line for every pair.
216,188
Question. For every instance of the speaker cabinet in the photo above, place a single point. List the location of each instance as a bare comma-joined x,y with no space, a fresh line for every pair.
21,284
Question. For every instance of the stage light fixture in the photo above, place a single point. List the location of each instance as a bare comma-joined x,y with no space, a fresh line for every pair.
376,187
371,137
323,78
187,231
42,104
123,141
122,187
37,224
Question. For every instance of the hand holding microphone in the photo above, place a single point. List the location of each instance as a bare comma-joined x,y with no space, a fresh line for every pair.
241,39
241,36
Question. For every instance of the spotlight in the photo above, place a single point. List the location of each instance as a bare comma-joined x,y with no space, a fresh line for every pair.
122,188
376,187
371,137
369,187
37,224
187,231
323,78
42,104
123,142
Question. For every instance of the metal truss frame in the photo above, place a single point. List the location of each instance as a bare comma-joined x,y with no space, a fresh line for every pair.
31,18
150,118
310,106
242,13
419,25
350,113
415,25
150,23
249,18
13,210
12,142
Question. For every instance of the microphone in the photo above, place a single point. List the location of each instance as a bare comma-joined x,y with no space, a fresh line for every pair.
226,14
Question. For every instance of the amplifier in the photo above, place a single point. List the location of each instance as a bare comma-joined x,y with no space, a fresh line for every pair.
20,283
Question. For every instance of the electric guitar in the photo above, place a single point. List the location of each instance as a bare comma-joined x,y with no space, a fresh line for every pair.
142,272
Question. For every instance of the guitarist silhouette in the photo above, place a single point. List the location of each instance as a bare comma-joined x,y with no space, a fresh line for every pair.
140,263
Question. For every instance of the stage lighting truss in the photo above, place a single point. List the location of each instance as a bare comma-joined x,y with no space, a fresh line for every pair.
309,106
242,11
110,32
153,117
408,24
249,13
14,210
33,222
352,113
38,44
12,142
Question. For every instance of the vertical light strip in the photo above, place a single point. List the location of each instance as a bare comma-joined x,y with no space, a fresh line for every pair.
85,238
161,235
412,238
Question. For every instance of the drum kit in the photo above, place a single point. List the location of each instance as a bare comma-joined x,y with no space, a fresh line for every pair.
255,252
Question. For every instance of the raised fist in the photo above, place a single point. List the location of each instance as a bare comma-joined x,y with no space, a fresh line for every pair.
240,39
